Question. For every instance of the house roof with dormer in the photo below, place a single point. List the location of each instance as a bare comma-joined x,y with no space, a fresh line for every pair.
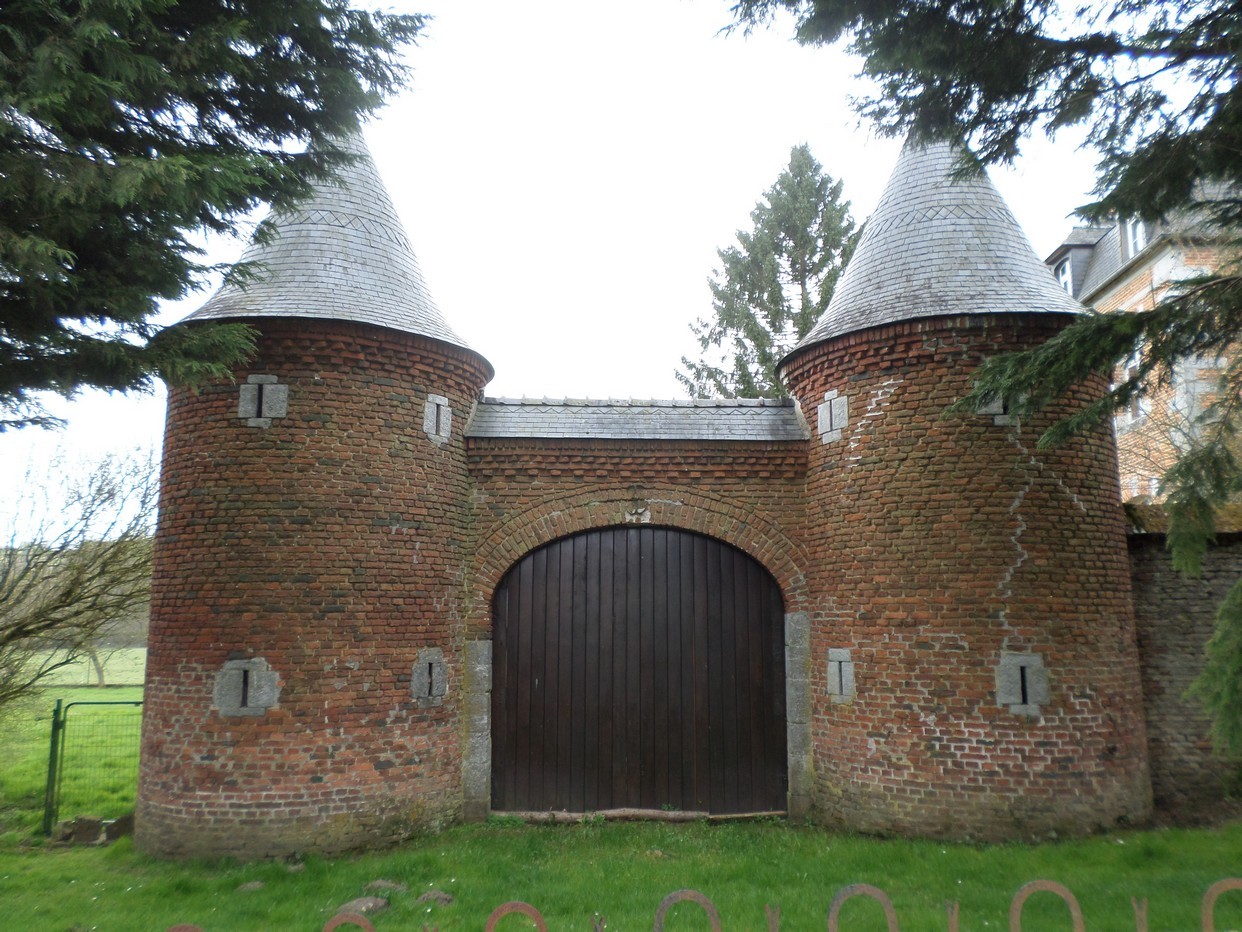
1100,255
340,254
938,243
716,419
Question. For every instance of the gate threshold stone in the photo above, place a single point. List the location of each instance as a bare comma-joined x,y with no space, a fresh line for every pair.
640,815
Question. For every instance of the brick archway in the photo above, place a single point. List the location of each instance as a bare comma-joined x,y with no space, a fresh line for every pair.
638,667
559,516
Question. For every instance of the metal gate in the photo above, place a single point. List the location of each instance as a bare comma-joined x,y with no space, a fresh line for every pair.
97,747
638,667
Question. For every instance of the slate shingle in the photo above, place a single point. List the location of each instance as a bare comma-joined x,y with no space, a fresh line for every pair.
938,246
619,419
342,254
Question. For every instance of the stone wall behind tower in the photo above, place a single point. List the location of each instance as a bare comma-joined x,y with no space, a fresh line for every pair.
329,548
1175,614
946,553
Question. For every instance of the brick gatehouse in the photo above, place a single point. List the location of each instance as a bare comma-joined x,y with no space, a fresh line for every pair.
384,602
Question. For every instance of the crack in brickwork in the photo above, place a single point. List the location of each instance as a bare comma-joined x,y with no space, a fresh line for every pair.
1003,590
877,404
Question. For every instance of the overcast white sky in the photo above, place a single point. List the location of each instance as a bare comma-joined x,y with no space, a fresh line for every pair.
566,171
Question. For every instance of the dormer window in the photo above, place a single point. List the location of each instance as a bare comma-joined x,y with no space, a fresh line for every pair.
1065,276
1135,232
1137,408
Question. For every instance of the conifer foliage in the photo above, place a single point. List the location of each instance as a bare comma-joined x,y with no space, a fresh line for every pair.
773,285
127,125
1155,85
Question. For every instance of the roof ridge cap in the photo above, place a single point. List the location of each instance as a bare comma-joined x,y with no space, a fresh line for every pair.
642,402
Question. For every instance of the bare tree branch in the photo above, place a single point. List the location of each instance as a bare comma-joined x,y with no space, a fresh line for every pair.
77,561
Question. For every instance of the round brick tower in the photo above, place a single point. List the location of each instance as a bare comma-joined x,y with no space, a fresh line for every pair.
974,672
304,677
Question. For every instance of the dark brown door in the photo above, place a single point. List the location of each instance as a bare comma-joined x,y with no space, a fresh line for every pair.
638,667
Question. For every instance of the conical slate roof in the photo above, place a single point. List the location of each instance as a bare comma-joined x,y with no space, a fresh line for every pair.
937,246
340,254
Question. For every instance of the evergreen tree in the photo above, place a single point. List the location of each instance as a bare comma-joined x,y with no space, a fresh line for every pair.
1156,85
772,286
125,125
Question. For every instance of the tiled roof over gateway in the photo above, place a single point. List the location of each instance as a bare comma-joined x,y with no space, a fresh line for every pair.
341,254
733,420
938,246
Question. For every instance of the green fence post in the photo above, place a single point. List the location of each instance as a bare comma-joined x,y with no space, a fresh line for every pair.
53,762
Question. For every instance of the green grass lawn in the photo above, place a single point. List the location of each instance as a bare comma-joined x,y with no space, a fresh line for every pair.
123,666
105,788
619,871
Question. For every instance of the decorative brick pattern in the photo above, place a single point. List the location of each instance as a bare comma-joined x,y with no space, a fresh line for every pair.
529,493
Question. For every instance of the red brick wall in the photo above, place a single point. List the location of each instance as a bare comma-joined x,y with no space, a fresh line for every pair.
935,543
331,544
339,542
1176,614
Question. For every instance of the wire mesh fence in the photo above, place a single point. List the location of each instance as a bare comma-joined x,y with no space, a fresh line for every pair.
92,764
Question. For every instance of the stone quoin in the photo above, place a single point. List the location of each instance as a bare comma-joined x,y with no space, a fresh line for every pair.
384,602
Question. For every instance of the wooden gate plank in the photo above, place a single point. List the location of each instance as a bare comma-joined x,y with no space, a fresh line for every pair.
563,711
638,667
702,676
591,708
659,675
689,660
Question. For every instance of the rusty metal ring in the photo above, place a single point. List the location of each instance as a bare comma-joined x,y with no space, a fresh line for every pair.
682,896
515,906
861,889
1048,886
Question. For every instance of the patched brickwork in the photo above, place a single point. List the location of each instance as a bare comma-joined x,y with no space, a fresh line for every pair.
936,543
1175,615
332,545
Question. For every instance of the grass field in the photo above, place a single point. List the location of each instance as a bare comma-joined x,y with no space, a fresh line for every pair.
104,789
122,667
619,871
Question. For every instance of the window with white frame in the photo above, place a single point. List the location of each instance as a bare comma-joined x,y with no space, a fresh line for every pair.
1136,236
1065,276
1138,406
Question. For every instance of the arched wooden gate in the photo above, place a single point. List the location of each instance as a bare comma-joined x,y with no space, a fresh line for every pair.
638,667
